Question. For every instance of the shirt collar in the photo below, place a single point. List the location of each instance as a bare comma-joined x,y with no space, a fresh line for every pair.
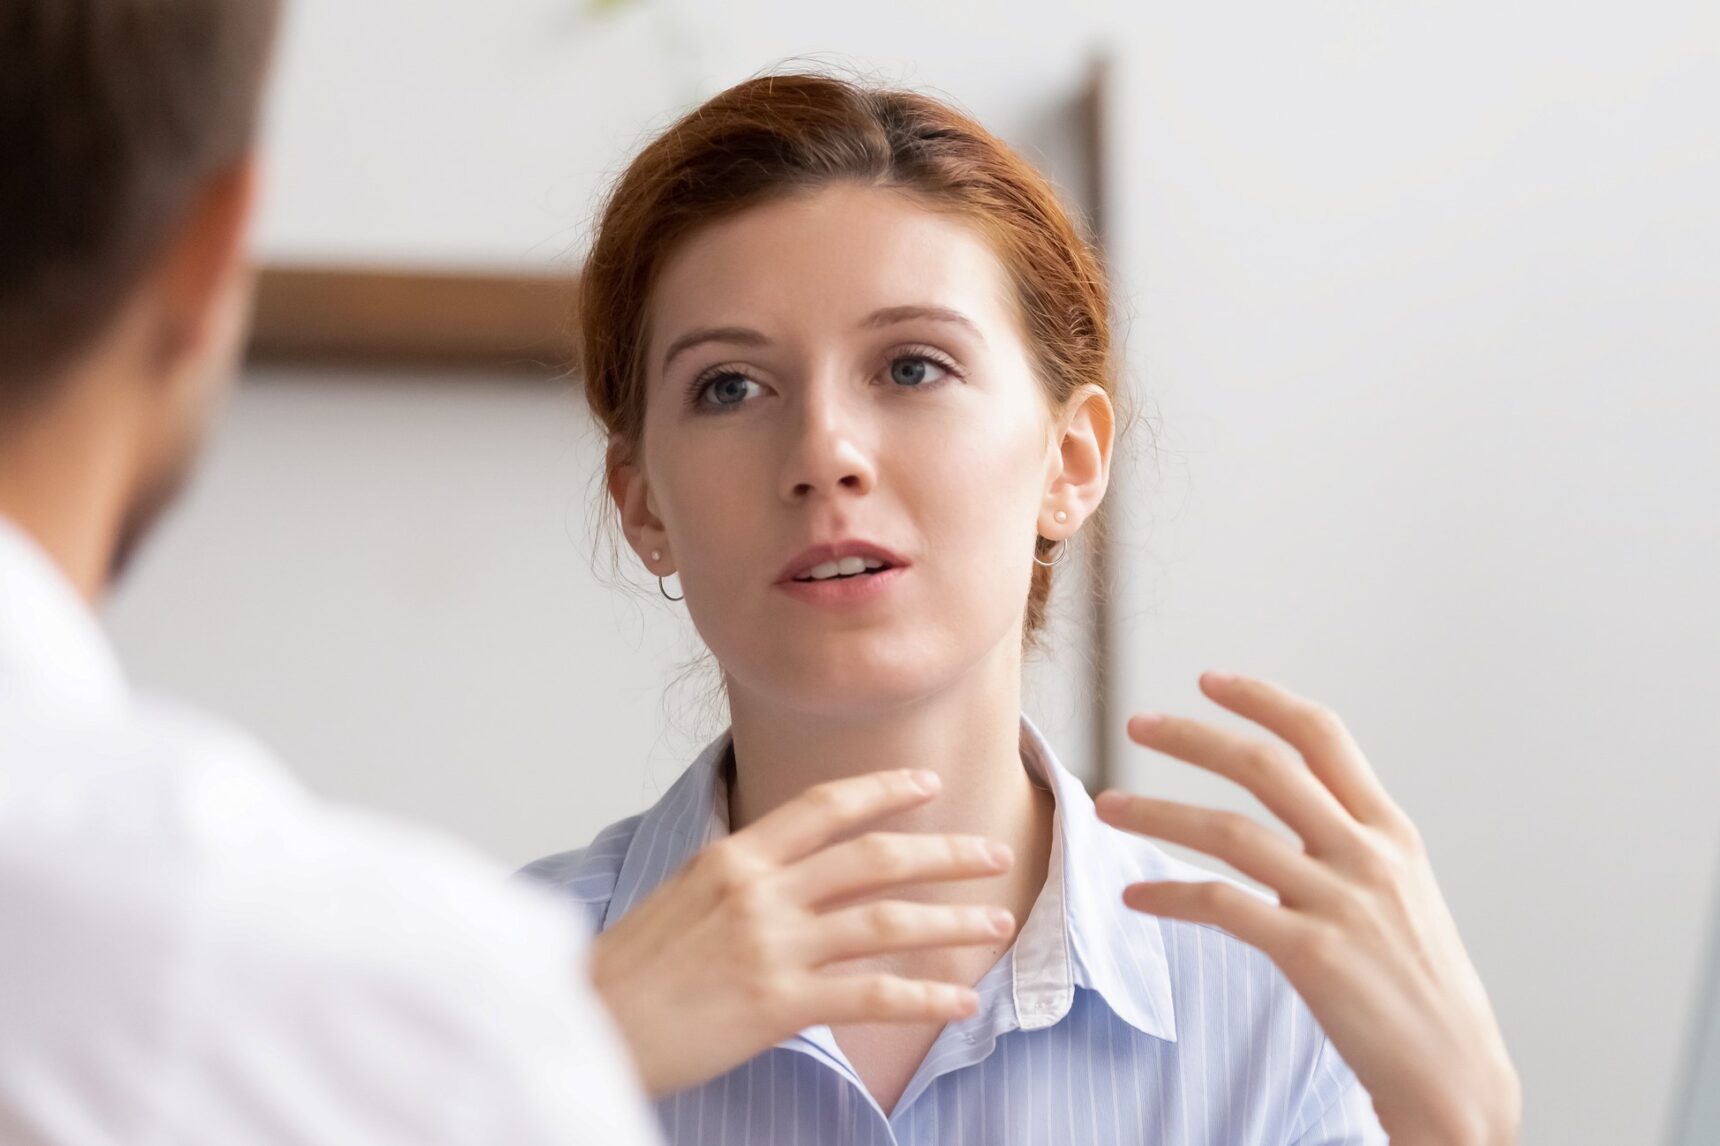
53,653
1078,933
1112,950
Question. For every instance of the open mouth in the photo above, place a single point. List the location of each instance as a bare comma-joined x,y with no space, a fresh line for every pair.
844,569
851,559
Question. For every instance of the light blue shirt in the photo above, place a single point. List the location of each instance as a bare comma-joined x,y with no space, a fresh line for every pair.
1099,1025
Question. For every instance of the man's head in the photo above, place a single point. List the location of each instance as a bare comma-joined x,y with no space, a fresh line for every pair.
126,188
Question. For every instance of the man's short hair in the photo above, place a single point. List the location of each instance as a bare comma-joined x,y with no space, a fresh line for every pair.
114,116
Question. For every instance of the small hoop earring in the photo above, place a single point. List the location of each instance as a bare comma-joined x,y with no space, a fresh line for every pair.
663,589
1062,552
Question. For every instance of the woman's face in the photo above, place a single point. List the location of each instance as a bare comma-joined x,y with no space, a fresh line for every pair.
847,455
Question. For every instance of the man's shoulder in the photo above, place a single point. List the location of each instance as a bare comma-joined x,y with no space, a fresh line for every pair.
167,884
177,828
158,783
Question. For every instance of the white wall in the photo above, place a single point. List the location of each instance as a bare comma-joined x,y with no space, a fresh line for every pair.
1424,315
391,581
1426,307
469,132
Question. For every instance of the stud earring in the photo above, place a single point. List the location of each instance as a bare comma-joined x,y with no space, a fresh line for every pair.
1062,515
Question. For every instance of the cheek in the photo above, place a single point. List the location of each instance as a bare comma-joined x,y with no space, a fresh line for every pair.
706,494
976,493
983,475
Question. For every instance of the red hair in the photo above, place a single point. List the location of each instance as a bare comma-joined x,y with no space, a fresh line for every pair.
783,134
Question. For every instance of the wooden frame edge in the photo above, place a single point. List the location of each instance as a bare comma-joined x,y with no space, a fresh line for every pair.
332,315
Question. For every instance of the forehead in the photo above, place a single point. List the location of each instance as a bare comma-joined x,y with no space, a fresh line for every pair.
827,259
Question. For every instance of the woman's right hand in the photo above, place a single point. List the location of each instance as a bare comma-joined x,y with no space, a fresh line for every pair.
727,958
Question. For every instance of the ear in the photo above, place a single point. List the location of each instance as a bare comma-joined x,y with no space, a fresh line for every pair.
631,491
1081,468
204,274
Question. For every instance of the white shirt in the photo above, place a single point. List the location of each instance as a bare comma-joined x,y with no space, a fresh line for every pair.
193,950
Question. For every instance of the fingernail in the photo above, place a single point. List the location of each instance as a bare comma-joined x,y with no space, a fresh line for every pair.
1143,720
1001,921
1216,676
1111,801
924,779
999,854
1138,896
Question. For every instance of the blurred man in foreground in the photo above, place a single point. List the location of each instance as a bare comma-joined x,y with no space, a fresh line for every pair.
191,950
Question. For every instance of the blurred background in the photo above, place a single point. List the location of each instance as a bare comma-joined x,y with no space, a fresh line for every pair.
1422,307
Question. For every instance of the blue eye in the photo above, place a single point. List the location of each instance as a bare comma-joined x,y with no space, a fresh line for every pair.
727,391
913,370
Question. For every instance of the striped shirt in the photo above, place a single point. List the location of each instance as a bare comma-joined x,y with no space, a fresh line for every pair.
1099,1025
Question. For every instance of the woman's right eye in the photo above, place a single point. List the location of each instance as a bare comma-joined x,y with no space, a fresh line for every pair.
726,391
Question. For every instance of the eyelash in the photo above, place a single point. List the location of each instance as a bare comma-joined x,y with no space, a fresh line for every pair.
697,387
936,357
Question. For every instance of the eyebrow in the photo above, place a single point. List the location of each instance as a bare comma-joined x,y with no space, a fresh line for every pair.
891,315
887,316
736,335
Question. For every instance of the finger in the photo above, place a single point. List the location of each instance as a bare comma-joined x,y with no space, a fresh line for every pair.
1265,768
1314,731
1246,845
1256,921
879,861
834,809
893,925
879,998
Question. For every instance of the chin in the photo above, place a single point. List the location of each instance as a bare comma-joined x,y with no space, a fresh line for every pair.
847,679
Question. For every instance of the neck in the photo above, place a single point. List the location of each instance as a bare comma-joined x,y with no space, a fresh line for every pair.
63,476
969,734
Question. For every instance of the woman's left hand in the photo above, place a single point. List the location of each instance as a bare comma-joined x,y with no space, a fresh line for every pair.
1361,930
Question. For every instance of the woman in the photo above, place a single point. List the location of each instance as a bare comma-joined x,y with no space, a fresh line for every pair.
855,367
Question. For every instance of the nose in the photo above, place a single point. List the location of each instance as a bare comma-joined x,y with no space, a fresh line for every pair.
826,456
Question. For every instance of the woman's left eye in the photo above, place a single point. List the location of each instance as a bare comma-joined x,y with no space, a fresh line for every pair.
917,370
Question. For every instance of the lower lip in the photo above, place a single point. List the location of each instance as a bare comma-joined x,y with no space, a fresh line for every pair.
843,590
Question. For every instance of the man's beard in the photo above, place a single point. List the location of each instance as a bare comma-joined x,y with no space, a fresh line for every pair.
153,499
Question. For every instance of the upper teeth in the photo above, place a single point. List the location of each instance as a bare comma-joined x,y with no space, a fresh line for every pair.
846,567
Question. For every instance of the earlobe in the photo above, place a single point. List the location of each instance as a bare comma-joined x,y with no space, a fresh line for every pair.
630,490
1084,463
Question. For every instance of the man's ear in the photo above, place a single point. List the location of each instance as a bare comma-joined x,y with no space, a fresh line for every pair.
631,491
204,273
1082,470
